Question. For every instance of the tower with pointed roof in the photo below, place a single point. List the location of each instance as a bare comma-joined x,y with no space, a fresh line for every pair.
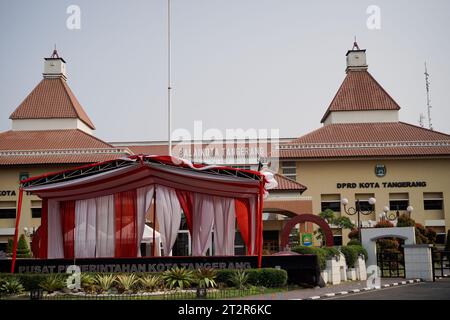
51,105
360,98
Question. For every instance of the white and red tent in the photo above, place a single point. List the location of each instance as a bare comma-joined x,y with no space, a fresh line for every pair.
99,210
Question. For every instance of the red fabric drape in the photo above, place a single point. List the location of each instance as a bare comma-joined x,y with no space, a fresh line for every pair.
126,224
242,210
43,230
187,204
67,212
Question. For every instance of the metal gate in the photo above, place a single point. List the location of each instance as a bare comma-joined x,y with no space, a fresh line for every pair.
441,264
391,264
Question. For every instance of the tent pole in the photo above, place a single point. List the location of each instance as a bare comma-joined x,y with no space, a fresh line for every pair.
16,233
260,222
154,223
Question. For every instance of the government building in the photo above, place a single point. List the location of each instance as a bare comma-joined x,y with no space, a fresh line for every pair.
363,150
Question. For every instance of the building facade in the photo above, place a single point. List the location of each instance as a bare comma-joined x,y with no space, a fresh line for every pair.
364,151
50,132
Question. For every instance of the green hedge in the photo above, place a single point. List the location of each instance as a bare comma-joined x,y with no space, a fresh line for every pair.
360,250
265,277
351,254
319,252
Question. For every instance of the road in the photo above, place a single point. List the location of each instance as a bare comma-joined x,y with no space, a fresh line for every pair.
439,290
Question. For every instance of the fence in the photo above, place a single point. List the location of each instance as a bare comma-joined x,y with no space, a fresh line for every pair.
392,264
441,264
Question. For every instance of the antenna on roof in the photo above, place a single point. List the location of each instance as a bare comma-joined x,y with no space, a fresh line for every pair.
427,86
421,118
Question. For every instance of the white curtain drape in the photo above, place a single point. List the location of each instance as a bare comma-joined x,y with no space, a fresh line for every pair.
105,242
144,200
85,228
224,226
168,212
55,247
202,222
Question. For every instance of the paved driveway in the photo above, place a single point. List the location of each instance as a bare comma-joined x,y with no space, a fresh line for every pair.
439,290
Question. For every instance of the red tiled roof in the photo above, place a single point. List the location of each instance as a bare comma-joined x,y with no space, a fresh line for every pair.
360,92
287,184
59,159
389,139
49,139
150,149
51,98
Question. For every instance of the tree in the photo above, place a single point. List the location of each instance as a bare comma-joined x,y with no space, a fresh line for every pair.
329,216
23,251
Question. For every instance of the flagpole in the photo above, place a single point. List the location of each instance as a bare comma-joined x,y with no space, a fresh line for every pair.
169,88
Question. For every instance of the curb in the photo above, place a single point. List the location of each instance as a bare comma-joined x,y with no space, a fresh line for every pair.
394,284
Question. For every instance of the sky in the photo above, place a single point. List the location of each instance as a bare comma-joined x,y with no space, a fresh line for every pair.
262,64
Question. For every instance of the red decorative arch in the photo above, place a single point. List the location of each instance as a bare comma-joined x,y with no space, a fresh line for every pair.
306,218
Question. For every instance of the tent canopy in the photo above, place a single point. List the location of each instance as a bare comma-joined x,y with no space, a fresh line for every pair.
137,171
106,203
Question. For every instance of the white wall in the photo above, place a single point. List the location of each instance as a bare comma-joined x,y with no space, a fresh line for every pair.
50,124
362,116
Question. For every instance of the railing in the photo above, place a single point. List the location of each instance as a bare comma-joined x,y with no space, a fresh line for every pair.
391,264
441,264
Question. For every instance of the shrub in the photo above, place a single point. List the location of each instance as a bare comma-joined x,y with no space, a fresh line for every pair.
319,252
384,224
11,286
354,242
354,234
178,278
52,283
9,246
267,277
88,283
351,255
331,252
359,250
388,245
224,277
22,248
126,283
150,282
239,278
31,281
206,277
104,281
405,221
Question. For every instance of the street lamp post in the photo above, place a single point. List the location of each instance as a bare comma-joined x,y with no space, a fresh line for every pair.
357,210
391,216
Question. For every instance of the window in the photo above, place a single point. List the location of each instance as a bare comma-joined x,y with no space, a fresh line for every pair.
440,238
398,201
36,211
331,201
7,209
433,201
337,240
289,169
364,204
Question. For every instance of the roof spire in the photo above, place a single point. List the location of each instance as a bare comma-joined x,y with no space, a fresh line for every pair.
355,45
55,53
